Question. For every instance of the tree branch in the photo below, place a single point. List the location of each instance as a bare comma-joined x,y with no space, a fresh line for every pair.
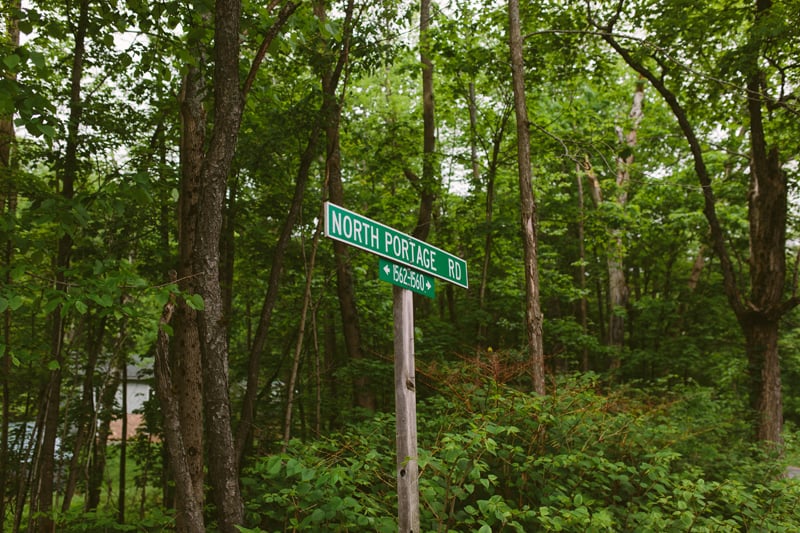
284,14
717,235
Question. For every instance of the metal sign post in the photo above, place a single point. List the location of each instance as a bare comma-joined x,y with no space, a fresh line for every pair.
410,263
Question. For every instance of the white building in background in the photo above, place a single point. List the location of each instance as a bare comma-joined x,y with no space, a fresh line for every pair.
137,391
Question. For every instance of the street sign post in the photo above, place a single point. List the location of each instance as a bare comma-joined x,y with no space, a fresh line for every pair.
407,278
357,230
409,264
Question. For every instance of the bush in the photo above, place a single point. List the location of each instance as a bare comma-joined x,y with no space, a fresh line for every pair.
491,458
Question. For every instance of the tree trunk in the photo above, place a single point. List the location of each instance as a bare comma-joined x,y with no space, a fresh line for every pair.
583,304
228,103
287,426
533,314
105,414
617,285
8,210
364,396
184,356
87,413
429,183
44,522
491,174
244,432
761,338
189,517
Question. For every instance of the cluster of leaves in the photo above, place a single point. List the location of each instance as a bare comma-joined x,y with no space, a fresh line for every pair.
667,458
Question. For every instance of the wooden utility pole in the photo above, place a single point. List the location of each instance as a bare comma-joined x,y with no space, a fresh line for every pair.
405,396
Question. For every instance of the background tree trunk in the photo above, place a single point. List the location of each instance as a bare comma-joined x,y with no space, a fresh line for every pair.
429,183
189,518
533,313
44,500
244,432
345,290
8,209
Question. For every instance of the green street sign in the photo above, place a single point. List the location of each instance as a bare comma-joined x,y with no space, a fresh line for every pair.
407,278
356,230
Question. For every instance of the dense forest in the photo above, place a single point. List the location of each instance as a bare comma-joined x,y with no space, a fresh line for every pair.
620,177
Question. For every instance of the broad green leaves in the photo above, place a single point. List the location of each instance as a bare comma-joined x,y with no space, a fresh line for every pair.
494,459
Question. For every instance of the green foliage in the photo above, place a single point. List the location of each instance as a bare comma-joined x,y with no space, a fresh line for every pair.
667,458
81,521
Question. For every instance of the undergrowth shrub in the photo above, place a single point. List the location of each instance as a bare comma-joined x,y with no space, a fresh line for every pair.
665,458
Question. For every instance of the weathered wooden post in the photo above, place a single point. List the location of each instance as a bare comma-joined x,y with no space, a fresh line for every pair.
405,397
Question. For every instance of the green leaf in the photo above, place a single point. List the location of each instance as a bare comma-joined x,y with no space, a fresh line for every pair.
195,301
81,307
11,61
15,302
103,300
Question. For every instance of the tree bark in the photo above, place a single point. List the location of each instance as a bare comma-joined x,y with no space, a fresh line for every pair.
185,359
533,313
617,284
583,304
189,517
87,413
105,413
491,174
429,183
228,105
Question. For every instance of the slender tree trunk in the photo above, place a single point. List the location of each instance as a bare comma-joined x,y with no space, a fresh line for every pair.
345,290
123,450
87,413
533,313
491,174
429,183
245,428
8,210
44,522
331,365
105,414
618,291
476,179
583,304
287,426
617,285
